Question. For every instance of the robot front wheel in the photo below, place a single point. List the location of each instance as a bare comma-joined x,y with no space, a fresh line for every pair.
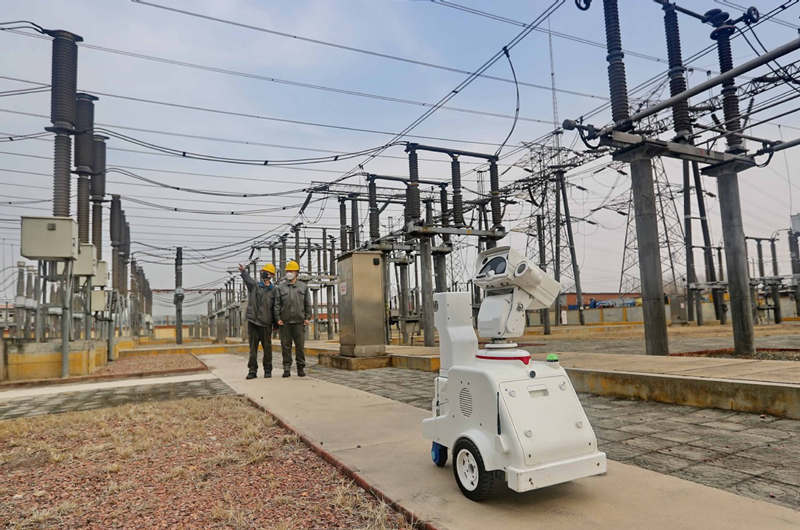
471,476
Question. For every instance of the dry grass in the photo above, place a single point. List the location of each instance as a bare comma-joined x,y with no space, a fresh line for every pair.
214,462
151,363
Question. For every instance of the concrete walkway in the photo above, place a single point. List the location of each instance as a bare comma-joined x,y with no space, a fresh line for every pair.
380,439
708,367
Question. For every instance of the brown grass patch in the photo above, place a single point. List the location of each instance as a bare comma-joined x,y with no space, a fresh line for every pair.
216,462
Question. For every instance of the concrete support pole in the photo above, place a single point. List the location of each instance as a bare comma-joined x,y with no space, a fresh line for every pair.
19,302
37,308
644,202
736,262
427,291
66,317
179,295
402,301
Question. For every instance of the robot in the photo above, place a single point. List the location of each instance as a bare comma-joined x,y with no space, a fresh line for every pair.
504,417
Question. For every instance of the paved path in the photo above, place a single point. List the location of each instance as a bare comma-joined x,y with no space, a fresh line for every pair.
381,440
707,367
87,396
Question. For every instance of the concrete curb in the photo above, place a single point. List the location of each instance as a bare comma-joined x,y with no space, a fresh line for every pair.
412,519
760,397
100,378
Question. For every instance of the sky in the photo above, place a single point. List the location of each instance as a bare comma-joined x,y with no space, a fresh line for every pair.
418,30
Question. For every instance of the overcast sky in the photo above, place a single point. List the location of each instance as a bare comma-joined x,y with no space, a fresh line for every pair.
419,30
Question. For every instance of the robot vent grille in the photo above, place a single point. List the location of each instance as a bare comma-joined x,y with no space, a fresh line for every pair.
465,401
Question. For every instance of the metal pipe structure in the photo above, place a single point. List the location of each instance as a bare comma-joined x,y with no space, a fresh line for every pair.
544,313
332,272
726,75
19,302
687,240
402,301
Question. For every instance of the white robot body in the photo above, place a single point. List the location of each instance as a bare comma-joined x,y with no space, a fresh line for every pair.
523,417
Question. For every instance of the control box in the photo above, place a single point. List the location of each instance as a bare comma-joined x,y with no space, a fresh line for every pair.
101,275
49,238
98,300
86,264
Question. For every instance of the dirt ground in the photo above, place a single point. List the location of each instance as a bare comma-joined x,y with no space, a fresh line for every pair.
215,462
151,363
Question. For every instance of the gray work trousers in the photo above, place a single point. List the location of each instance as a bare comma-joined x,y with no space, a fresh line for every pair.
293,333
262,335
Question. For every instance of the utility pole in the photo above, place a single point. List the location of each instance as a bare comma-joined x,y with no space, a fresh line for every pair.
179,295
729,201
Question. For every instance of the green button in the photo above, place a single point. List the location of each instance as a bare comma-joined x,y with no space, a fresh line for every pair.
552,358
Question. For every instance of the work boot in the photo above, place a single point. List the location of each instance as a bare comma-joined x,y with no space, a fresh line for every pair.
267,374
251,375
286,373
301,372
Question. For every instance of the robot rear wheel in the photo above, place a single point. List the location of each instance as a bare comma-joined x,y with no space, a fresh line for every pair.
471,476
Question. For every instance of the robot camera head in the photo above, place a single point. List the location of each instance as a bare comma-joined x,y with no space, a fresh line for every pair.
503,269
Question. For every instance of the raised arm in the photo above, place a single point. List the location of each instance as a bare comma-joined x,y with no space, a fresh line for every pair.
246,278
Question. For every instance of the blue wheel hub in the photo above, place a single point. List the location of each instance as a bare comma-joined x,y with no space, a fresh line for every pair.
438,454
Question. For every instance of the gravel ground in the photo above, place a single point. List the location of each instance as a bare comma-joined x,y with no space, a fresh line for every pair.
216,462
150,363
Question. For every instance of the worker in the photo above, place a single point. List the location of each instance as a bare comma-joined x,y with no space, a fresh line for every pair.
260,317
293,311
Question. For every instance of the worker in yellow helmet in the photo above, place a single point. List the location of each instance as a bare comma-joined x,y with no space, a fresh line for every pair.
292,311
260,319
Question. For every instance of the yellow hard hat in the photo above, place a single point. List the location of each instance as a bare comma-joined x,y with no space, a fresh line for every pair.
269,267
292,266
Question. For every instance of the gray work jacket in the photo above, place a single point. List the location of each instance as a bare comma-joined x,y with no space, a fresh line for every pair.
292,303
259,301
